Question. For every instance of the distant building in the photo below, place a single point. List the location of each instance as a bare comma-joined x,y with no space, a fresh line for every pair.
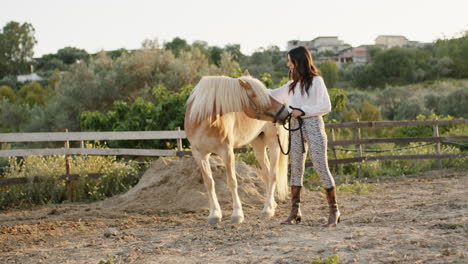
390,41
361,55
296,43
28,77
333,44
320,44
358,55
345,56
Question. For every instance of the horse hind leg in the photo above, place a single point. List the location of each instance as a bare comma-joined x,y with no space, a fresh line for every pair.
227,155
205,169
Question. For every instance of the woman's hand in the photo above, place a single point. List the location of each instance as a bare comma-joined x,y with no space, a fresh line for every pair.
296,113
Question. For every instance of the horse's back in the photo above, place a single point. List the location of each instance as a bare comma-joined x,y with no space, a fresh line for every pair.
228,130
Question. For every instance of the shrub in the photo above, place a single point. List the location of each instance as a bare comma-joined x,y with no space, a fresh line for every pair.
33,94
118,176
7,93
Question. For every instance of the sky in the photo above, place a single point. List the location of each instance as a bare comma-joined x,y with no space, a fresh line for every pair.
96,25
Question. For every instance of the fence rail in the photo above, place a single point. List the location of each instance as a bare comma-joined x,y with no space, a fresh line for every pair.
179,135
396,123
395,140
83,136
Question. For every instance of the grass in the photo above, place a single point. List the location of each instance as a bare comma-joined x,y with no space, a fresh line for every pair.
108,261
356,188
335,259
451,226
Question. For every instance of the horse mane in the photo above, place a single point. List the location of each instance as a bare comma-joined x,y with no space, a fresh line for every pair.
217,95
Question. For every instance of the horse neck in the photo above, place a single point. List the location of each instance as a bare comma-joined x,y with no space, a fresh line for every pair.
245,129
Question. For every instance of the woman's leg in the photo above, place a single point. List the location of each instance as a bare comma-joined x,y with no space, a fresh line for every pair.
297,174
314,130
297,157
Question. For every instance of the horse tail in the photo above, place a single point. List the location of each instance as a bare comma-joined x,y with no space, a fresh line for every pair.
282,165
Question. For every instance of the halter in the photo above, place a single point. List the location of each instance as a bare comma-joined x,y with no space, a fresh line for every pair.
280,115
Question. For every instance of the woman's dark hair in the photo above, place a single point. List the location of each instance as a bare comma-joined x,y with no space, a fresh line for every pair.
304,69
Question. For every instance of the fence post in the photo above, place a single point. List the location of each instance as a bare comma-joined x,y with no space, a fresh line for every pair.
68,183
359,152
179,141
333,140
435,130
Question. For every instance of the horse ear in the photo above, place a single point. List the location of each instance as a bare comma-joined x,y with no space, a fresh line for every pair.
246,73
247,86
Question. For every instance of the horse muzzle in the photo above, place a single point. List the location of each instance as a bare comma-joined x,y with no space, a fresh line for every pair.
282,115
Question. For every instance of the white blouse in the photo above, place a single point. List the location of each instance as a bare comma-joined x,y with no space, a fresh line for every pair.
317,103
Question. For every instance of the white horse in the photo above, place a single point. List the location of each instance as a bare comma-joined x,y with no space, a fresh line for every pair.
224,113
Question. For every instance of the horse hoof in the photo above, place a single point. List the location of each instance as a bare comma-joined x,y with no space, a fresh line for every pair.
214,220
266,215
237,220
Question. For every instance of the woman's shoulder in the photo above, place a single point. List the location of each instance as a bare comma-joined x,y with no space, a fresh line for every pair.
317,77
286,85
318,80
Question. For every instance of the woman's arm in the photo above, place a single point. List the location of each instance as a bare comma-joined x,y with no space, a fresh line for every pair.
281,93
318,101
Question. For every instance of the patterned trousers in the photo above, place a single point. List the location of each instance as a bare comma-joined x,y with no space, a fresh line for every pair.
315,139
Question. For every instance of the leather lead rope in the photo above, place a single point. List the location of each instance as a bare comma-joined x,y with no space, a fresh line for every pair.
290,130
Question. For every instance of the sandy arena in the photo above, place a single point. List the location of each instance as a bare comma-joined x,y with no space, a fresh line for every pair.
407,219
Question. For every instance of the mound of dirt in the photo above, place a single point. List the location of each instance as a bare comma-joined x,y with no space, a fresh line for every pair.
177,185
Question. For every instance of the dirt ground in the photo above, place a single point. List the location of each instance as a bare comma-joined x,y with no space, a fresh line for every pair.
407,219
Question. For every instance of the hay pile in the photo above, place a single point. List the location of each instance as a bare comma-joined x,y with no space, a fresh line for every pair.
177,186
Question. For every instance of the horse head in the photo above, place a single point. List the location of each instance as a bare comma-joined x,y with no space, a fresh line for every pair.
274,111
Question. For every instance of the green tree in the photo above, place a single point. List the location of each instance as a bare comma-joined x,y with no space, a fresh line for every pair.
215,55
13,116
401,66
228,66
455,104
234,50
16,48
70,55
361,76
117,53
50,62
442,67
177,45
266,79
167,113
390,99
457,50
10,81
350,115
410,108
329,72
338,98
259,62
370,112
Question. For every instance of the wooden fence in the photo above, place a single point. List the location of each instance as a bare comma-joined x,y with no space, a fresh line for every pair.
374,124
179,135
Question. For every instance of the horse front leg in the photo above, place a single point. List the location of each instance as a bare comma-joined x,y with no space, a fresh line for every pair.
205,169
270,199
260,151
227,155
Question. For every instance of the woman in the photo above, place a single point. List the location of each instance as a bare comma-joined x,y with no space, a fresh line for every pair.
307,97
